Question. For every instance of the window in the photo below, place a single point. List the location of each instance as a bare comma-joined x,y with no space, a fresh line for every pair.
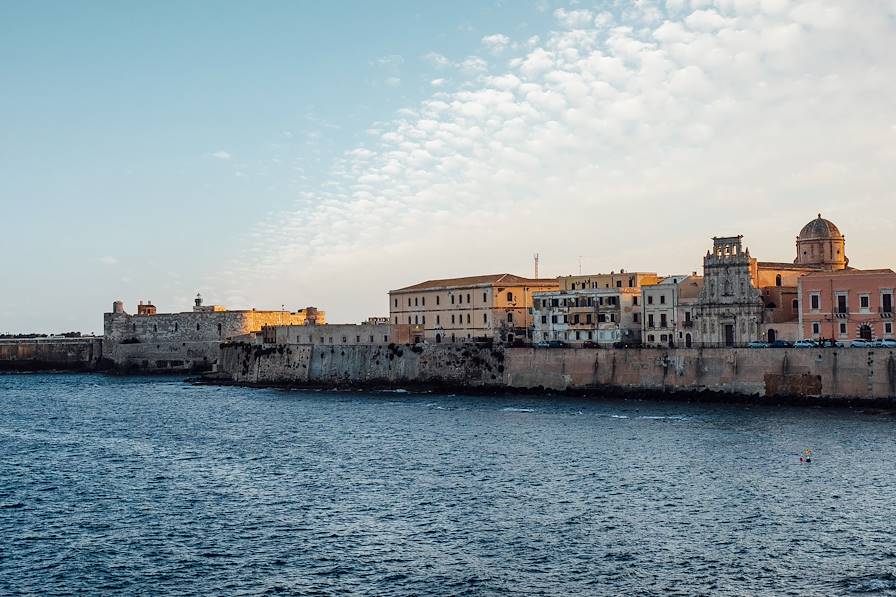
358,339
484,297
415,302
662,299
631,282
344,339
509,297
888,328
578,337
841,304
396,303
553,319
484,319
544,319
197,327
423,319
452,318
396,321
468,298
416,319
509,317
886,300
864,302
438,301
564,319
176,326
649,299
618,283
423,301
842,328
687,316
662,320
795,304
409,301
778,280
650,320
438,320
409,320
468,318
219,329
636,317
816,328
814,301
155,328
385,338
662,337
452,299
650,337
589,317
635,300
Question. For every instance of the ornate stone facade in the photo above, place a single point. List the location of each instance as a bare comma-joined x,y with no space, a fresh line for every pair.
729,308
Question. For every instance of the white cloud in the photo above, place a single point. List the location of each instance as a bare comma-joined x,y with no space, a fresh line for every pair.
496,43
437,82
108,260
633,138
221,155
574,19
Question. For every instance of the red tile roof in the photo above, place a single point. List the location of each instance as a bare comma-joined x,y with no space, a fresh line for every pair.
488,280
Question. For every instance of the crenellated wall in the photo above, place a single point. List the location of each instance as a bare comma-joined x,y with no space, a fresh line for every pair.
841,373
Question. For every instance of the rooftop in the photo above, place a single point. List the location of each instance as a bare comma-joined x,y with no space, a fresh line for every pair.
487,280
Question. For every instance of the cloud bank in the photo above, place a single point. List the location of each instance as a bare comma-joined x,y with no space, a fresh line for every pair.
624,138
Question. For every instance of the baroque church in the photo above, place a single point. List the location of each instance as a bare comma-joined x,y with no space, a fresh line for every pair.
745,300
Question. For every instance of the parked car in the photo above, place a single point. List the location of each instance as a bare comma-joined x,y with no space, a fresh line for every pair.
861,343
805,344
781,344
542,344
590,344
557,344
757,344
885,343
828,343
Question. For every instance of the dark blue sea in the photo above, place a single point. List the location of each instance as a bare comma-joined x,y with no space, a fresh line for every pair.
152,486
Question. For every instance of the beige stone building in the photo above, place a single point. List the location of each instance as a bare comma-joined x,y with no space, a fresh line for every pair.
622,279
604,316
669,311
188,340
495,307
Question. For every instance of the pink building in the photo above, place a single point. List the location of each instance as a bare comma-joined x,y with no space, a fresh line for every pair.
847,304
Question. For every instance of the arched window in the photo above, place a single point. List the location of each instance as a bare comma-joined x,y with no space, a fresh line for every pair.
778,280
219,329
509,297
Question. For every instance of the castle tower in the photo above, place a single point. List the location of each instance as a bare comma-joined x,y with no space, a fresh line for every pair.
820,243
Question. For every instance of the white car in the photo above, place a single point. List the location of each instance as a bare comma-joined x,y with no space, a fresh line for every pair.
804,344
861,343
886,343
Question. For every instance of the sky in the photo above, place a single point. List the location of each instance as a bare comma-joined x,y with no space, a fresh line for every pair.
297,153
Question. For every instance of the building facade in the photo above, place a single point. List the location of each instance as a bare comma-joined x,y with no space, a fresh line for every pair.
622,279
846,305
604,316
188,340
496,307
668,311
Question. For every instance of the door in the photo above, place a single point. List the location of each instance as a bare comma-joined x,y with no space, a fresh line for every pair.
687,340
772,336
865,332
729,334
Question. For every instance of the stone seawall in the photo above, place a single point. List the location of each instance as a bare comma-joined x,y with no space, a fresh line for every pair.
830,372
43,354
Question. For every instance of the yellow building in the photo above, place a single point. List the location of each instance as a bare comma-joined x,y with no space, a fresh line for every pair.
622,279
495,307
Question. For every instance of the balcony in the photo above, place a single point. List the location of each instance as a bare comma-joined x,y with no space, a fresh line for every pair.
688,323
886,312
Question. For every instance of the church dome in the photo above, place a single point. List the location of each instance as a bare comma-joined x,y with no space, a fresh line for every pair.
819,228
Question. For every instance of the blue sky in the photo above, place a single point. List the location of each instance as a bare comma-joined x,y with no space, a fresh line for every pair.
322,153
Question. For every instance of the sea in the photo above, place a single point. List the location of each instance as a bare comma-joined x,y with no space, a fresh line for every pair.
156,486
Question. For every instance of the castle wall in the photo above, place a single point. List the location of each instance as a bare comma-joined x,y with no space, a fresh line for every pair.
181,341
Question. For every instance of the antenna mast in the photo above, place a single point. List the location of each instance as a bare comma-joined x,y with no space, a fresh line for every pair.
536,265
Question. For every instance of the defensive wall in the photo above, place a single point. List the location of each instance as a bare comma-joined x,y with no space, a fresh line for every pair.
830,372
43,354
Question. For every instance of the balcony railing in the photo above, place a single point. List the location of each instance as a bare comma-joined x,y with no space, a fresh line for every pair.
886,312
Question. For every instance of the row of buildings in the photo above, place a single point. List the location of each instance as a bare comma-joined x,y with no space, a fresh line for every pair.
737,300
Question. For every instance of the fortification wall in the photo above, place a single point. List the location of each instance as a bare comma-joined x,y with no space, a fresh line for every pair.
372,365
840,373
41,354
